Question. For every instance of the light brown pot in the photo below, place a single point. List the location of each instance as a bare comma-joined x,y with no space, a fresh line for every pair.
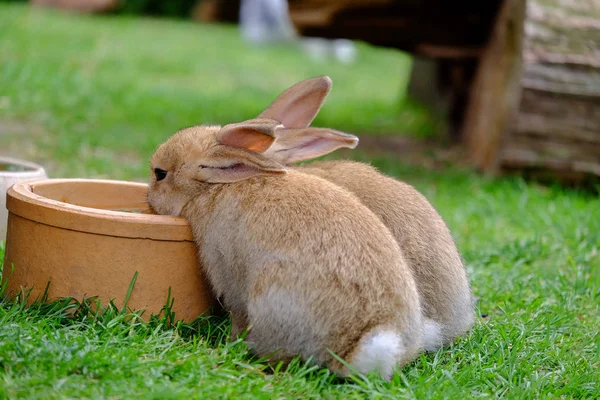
68,232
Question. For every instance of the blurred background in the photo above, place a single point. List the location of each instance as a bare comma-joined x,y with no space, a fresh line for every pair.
90,88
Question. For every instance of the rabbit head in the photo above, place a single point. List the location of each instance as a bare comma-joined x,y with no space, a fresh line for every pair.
296,108
194,157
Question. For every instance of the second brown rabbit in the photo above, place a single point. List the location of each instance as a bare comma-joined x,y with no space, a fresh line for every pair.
420,231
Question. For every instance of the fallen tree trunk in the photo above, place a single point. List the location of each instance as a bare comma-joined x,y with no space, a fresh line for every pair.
556,124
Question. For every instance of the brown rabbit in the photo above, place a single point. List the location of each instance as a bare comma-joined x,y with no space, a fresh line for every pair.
297,260
419,230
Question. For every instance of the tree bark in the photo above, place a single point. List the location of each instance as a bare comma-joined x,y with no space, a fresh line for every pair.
558,122
496,90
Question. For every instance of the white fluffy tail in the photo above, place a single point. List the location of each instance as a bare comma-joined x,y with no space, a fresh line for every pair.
432,335
379,350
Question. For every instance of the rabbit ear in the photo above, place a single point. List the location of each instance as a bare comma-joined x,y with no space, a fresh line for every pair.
256,134
293,145
297,106
225,164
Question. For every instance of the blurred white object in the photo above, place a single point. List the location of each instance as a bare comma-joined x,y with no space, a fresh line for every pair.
344,50
11,172
316,48
266,21
321,49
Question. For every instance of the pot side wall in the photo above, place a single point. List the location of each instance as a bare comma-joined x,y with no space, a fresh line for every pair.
80,264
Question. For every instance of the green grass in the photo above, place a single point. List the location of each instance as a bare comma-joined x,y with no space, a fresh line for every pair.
110,89
94,96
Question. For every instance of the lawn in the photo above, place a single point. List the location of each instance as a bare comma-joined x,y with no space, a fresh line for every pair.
111,89
94,96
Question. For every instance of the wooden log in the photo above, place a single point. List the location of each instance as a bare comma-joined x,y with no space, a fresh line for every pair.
560,116
82,6
433,28
561,51
212,11
554,156
558,121
496,89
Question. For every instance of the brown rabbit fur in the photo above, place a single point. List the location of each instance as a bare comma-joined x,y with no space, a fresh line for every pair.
419,230
297,260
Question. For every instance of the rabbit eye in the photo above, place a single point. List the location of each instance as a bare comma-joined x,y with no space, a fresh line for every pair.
160,174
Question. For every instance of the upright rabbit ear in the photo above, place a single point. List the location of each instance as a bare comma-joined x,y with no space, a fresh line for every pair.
256,134
299,105
293,145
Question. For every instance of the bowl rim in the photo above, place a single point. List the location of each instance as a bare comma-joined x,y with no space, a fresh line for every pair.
34,171
23,202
